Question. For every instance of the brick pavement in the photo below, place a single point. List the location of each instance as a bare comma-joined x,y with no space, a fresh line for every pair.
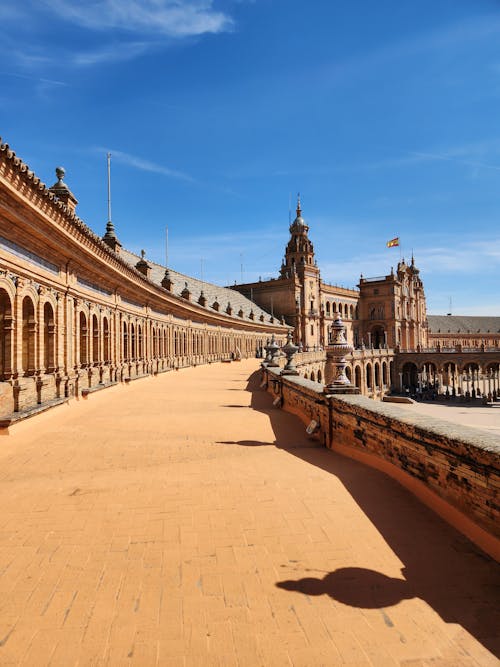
182,520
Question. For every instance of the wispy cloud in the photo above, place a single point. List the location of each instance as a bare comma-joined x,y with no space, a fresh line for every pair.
174,18
110,54
42,80
145,165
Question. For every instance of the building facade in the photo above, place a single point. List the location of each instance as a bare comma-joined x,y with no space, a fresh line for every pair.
78,312
387,311
386,321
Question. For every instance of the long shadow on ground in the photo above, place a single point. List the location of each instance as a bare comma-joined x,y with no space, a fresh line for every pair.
441,566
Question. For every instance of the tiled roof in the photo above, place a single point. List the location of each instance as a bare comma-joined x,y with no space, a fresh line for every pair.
463,324
212,293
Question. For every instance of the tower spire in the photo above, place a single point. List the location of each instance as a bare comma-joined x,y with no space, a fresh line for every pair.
299,210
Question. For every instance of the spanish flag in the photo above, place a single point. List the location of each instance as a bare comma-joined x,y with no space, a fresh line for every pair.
393,242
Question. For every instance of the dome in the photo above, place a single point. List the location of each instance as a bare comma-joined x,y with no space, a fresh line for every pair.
299,221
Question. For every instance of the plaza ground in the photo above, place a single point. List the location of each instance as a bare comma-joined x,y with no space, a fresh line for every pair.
466,414
182,520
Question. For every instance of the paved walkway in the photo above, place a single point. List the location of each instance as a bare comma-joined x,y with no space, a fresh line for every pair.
182,520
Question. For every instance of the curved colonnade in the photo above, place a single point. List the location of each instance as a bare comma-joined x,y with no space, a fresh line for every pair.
470,372
376,372
76,316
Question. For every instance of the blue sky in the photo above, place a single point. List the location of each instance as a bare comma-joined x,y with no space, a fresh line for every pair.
384,115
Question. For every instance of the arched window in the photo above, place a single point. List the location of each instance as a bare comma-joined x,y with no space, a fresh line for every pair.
328,308
125,351
95,339
357,377
29,336
5,335
155,342
83,339
48,338
132,342
139,342
105,330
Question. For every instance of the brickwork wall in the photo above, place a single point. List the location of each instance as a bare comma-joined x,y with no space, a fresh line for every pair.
453,469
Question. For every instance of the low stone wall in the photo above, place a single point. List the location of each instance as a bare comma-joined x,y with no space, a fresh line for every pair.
453,469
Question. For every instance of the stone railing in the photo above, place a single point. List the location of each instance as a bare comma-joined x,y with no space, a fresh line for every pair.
304,358
452,469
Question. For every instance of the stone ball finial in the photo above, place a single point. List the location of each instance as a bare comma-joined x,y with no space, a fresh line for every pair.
60,173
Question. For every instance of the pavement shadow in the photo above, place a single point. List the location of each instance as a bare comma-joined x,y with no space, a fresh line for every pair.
246,443
354,586
441,566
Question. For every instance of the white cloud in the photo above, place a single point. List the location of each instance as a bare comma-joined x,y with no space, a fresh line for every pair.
173,18
114,54
146,165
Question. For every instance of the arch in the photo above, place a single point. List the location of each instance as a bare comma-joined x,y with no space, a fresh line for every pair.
357,377
125,338
351,312
410,376
95,339
28,336
49,338
106,340
313,377
376,367
385,375
471,379
377,335
132,342
140,351
83,338
348,373
5,335
155,341
320,377
369,376
328,308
